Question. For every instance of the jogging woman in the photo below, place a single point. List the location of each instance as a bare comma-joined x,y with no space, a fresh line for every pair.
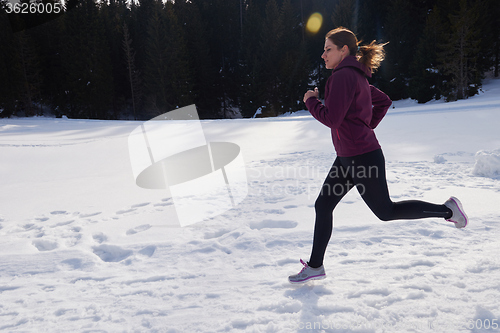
352,109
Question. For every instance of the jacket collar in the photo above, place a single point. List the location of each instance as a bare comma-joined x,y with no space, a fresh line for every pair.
352,61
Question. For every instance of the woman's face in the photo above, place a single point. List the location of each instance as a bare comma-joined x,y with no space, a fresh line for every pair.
333,55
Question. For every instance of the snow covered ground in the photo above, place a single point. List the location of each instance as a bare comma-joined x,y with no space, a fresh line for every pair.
83,249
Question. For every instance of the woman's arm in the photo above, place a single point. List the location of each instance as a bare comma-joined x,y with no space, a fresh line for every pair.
381,103
339,94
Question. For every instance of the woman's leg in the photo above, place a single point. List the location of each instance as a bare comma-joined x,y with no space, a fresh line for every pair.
336,185
368,173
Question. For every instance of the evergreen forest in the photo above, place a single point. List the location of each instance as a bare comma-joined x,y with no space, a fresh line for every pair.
119,59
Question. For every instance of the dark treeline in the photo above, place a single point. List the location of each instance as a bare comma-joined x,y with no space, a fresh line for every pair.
116,59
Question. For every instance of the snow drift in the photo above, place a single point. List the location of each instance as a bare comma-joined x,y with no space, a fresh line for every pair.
487,164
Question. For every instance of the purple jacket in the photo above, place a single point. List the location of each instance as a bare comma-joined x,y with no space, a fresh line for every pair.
353,108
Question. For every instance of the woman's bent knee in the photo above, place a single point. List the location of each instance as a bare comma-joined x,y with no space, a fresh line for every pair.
384,216
324,205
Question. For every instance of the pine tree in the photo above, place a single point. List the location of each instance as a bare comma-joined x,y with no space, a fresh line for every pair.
271,55
167,76
224,19
251,70
426,80
48,40
489,41
156,75
495,42
28,67
202,74
133,73
459,55
86,61
294,70
7,90
141,15
114,14
181,76
371,20
399,50
346,14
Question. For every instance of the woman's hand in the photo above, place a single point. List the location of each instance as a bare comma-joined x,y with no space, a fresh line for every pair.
311,93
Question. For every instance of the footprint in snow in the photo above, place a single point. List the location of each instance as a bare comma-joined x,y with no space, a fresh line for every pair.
89,214
111,253
140,205
60,224
148,251
431,233
284,224
59,212
376,291
284,262
61,312
435,254
99,237
138,229
73,239
29,226
212,248
162,204
74,263
413,264
44,245
261,265
125,211
49,288
351,261
215,234
276,243
273,211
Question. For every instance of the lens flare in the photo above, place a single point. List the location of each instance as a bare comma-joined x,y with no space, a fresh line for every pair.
314,23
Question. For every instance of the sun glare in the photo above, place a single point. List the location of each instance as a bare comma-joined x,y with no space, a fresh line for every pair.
314,23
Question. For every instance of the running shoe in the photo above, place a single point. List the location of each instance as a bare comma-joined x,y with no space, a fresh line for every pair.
308,273
459,217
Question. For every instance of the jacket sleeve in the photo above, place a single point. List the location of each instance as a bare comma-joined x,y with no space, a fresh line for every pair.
381,103
338,97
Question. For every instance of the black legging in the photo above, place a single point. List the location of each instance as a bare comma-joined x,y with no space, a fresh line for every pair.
367,173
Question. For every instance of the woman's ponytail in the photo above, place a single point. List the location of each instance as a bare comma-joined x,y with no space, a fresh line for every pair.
371,55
